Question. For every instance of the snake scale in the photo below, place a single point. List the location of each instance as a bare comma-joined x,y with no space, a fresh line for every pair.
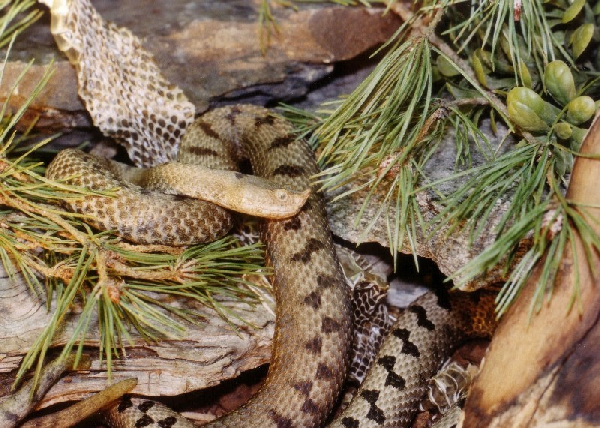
313,315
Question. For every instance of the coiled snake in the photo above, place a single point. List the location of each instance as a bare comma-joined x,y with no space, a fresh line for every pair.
313,316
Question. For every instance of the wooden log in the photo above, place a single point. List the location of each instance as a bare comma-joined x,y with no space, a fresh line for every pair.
204,356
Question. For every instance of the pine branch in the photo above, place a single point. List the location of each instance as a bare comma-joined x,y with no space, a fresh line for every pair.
500,69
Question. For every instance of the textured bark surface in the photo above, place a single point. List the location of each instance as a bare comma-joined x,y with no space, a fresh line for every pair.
543,371
207,355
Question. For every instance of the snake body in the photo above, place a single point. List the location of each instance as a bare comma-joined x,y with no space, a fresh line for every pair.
312,332
313,315
157,217
423,336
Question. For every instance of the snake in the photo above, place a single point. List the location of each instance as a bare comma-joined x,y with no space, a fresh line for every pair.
313,327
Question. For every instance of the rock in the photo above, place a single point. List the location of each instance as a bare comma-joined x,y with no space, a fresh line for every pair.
449,251
209,49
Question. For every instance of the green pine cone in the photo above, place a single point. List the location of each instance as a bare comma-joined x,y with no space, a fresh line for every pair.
523,107
563,130
528,109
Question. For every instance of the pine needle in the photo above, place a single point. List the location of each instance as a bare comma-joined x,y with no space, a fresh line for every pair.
447,78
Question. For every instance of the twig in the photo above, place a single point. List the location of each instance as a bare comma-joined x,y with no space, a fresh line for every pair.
122,269
176,251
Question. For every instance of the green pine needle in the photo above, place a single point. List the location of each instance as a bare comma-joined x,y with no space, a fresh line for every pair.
382,134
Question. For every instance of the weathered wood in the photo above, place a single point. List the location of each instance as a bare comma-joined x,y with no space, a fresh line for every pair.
205,356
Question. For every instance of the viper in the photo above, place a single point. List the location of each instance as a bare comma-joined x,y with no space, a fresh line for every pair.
129,99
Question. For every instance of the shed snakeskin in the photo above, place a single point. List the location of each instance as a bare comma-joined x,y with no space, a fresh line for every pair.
313,316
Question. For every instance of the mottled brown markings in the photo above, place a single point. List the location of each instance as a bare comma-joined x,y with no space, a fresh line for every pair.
350,422
280,421
314,345
329,325
291,171
264,120
387,362
323,372
443,299
475,297
408,347
167,422
201,151
365,360
124,404
312,245
208,129
304,387
375,413
306,207
326,281
144,421
292,224
309,406
313,300
233,113
395,380
421,314
145,406
392,379
238,175
282,142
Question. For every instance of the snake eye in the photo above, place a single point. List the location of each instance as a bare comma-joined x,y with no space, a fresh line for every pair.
281,194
